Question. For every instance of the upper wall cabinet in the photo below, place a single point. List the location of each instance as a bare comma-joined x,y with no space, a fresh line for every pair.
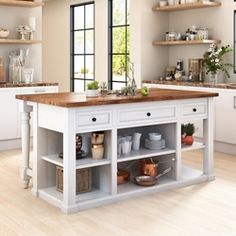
187,6
17,3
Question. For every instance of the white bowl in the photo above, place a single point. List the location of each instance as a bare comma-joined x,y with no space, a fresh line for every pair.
92,93
4,33
154,136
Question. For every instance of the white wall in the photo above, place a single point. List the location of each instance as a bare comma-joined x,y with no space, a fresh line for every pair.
219,21
11,17
56,37
146,26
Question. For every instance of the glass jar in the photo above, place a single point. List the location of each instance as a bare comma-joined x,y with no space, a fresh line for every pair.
14,69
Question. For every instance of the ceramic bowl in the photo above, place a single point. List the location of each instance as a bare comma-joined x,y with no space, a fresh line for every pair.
4,33
163,3
154,136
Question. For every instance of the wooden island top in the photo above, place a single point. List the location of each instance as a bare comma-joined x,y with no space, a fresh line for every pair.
76,100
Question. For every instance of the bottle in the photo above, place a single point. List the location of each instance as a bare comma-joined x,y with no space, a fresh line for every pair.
2,70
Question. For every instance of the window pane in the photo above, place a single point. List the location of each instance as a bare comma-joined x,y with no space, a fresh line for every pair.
79,17
128,39
78,85
79,67
89,67
117,86
119,68
89,12
119,39
79,42
119,12
128,12
89,42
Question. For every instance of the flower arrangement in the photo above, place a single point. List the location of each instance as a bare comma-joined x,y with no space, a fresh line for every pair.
213,59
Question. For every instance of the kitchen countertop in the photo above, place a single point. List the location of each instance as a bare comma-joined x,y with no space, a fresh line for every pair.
75,100
38,84
193,84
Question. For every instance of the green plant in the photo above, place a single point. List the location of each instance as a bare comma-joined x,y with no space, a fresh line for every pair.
189,129
213,59
93,85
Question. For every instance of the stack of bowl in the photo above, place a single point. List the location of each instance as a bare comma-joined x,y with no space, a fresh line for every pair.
97,139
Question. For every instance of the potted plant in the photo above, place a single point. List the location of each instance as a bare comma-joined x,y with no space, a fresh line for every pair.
189,130
213,61
92,89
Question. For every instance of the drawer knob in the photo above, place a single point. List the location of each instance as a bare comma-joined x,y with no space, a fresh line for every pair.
148,114
194,109
94,119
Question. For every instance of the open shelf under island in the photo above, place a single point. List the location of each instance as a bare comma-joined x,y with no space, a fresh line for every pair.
59,117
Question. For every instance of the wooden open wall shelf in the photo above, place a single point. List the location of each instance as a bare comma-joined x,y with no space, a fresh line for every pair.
16,3
187,6
18,41
183,42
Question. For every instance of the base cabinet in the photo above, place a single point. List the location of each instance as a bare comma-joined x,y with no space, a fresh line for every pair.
55,131
10,116
225,116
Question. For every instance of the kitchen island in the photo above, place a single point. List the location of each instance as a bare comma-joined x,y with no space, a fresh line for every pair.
58,118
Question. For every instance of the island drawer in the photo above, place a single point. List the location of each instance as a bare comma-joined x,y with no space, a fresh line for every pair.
90,120
146,115
196,109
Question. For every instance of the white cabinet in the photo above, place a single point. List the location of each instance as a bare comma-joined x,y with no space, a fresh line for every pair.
9,121
225,117
10,117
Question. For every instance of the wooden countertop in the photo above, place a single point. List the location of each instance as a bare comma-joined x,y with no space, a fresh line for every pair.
74,99
19,85
193,84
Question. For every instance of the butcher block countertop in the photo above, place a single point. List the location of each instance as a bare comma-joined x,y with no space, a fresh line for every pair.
76,100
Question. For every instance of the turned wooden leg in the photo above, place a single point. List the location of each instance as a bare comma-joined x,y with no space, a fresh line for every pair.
25,135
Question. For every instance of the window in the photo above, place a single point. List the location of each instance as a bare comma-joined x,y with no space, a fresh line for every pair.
119,46
82,45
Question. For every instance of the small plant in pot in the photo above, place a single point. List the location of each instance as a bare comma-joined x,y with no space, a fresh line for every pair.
189,130
92,89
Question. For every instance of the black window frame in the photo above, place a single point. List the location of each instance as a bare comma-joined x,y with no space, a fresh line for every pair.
110,45
72,51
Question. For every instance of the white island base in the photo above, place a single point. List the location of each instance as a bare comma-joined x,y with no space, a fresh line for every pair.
55,128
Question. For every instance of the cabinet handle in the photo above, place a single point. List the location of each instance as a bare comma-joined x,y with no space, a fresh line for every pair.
148,114
194,109
94,119
234,102
40,91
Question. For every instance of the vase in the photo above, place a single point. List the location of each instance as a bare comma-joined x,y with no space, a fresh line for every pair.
213,78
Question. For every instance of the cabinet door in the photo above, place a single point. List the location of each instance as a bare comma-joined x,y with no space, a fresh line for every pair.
226,117
9,115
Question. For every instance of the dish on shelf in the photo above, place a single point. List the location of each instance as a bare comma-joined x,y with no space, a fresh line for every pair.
145,180
79,155
4,33
123,176
155,144
154,136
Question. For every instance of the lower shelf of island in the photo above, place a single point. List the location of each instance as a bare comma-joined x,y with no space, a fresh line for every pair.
80,164
98,197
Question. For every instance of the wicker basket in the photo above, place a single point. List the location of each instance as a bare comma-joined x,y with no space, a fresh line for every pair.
83,180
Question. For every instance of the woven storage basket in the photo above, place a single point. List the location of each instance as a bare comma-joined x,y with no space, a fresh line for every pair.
83,180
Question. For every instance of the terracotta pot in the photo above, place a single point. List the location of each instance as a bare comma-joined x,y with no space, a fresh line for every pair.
182,138
188,140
